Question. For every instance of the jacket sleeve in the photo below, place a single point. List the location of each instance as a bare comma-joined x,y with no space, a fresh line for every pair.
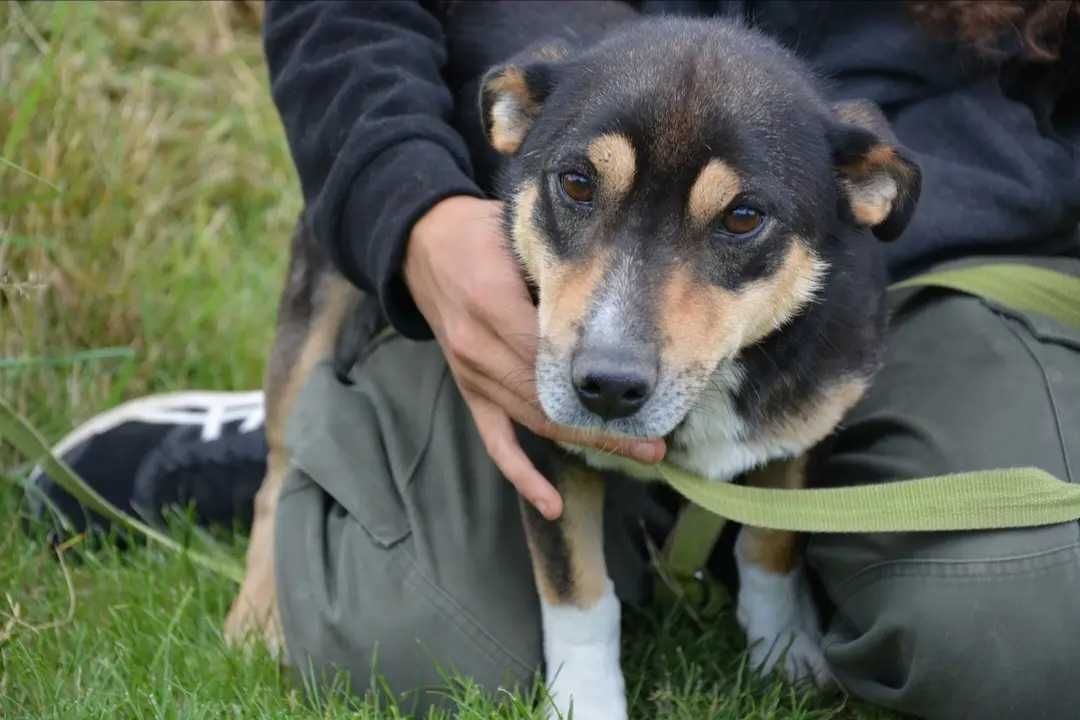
366,113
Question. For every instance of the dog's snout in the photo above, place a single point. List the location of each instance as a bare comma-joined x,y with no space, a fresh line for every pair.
613,384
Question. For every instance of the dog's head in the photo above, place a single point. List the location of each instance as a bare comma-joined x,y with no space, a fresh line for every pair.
670,194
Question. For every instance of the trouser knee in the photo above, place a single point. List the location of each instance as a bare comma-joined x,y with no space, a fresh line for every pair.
961,639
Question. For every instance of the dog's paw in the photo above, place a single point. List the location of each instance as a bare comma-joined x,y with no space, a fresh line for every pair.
581,701
777,613
587,684
797,655
581,650
251,622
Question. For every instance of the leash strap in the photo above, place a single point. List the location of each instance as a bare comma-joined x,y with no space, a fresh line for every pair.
1000,498
1011,285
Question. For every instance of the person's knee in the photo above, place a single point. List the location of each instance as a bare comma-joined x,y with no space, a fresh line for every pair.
414,674
357,608
963,639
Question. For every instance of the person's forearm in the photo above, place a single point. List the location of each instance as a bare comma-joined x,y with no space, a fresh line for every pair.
365,111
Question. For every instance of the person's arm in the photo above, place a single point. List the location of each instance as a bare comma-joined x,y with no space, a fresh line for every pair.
385,177
365,111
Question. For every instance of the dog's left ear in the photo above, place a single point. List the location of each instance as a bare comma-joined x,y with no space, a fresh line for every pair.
880,185
511,97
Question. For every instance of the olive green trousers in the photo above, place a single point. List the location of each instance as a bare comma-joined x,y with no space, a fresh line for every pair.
399,546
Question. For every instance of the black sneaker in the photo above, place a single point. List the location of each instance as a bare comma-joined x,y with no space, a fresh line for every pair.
206,450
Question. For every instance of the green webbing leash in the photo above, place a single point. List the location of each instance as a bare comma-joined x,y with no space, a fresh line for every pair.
1000,498
1011,285
1009,497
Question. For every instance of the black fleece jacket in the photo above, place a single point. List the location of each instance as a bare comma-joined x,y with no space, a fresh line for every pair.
366,111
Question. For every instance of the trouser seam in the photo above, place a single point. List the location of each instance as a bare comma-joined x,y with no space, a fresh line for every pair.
976,570
436,595
410,474
1054,412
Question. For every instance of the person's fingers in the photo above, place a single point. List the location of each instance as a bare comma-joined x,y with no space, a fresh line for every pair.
500,304
492,369
516,326
498,436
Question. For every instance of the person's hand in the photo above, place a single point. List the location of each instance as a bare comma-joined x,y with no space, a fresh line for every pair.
466,284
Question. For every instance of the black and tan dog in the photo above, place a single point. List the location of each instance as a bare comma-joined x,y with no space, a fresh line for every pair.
697,224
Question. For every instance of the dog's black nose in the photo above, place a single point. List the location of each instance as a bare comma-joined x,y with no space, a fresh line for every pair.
613,384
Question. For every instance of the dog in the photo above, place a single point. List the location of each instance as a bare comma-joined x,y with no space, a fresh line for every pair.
698,226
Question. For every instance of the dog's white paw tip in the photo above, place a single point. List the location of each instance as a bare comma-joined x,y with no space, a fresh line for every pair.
806,662
588,708
797,655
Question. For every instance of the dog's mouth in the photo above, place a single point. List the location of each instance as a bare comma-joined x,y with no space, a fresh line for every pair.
621,400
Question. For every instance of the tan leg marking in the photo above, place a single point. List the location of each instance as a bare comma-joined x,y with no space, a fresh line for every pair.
614,159
774,550
255,606
578,607
581,527
716,185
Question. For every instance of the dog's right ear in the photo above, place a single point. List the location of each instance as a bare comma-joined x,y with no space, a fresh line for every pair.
880,183
511,97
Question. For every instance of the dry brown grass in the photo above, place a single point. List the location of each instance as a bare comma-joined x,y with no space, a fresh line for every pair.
146,195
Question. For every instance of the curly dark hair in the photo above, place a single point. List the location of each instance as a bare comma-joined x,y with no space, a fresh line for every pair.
1044,27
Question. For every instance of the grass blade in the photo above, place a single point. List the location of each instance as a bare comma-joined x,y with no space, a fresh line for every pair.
82,356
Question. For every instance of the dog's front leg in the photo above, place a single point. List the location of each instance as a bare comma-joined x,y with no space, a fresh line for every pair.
775,607
580,612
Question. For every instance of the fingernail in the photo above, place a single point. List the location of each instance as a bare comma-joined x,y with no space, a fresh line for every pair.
543,506
645,452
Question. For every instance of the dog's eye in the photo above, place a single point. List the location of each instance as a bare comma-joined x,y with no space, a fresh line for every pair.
576,186
742,220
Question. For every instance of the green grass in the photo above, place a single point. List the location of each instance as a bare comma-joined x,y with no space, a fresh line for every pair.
146,196
144,640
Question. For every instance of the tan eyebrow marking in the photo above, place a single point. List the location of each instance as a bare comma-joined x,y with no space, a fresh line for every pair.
614,159
716,185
